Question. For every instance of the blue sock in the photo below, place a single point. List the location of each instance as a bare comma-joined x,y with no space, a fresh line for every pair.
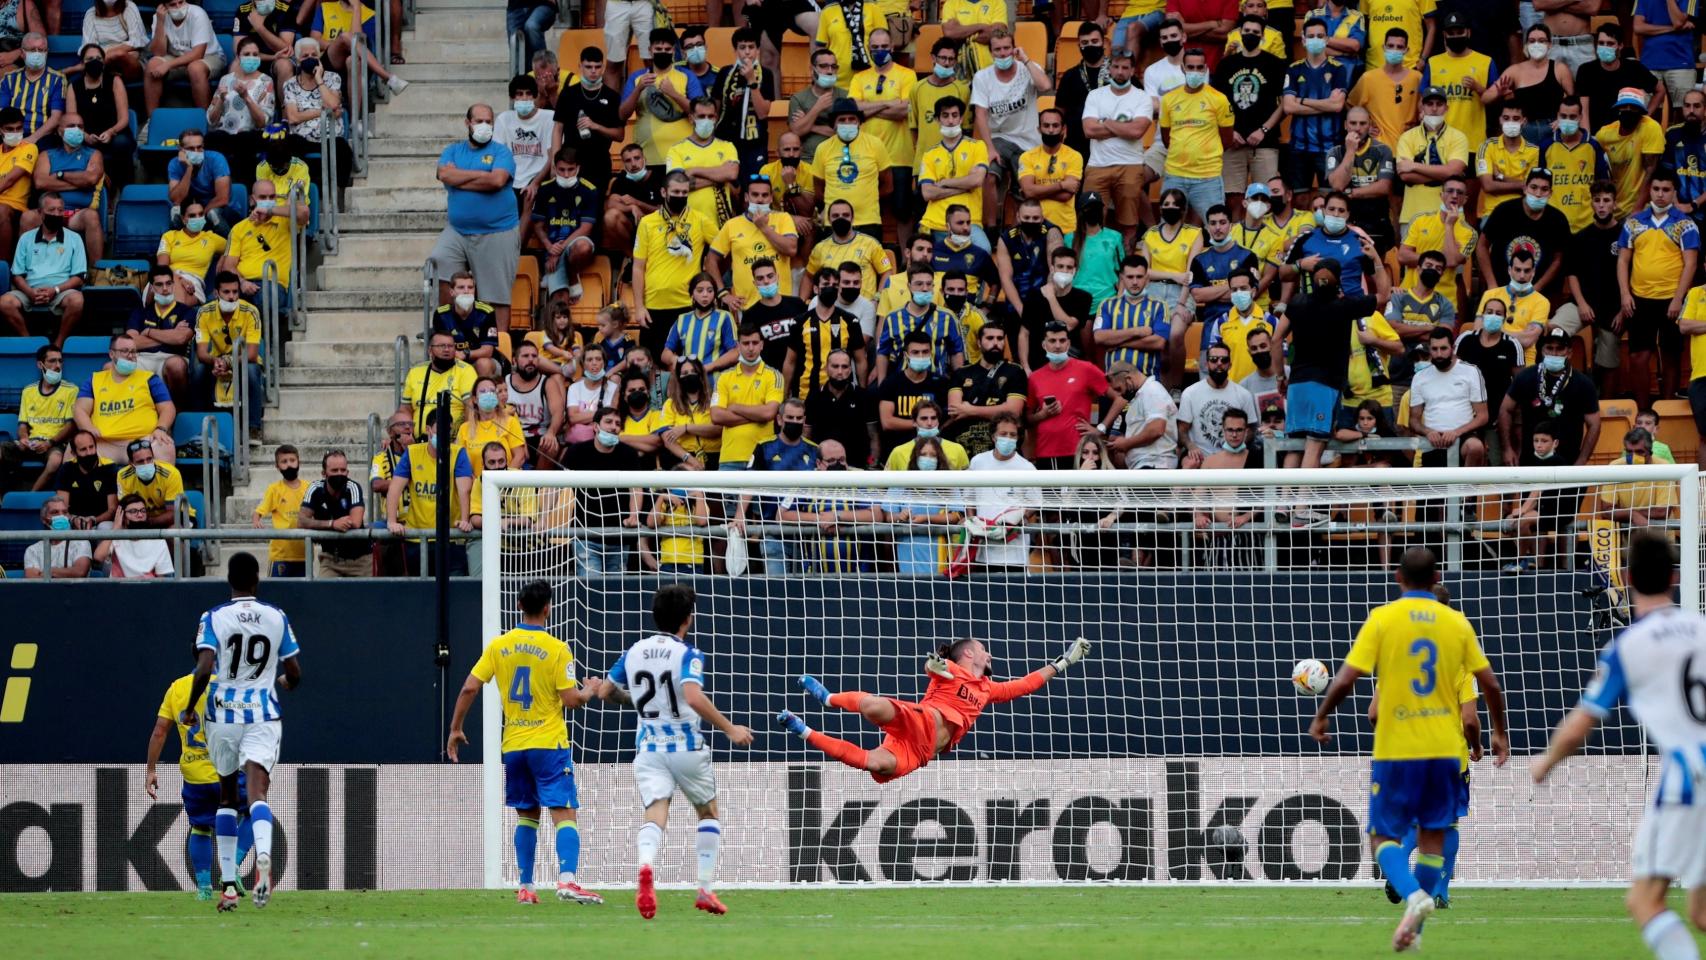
568,848
245,839
1429,868
1409,844
526,848
1452,841
201,856
1396,865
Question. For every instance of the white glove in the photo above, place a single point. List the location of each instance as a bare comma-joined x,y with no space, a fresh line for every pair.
934,664
1075,651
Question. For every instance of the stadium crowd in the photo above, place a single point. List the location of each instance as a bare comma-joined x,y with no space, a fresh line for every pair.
1161,239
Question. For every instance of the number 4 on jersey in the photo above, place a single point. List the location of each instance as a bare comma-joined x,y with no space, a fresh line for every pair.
521,688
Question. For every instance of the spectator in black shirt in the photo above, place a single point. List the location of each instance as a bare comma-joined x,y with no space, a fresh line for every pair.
634,192
472,323
843,410
334,503
1320,322
1530,222
1494,352
900,393
1075,84
1551,390
588,119
1252,79
777,315
979,393
88,486
1021,261
1056,301
1595,299
605,506
1599,80
743,109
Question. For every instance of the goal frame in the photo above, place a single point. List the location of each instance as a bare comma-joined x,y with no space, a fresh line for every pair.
1276,483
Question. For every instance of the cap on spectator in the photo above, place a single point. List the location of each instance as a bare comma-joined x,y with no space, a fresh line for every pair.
1256,190
1272,409
1555,335
275,131
1626,97
1091,199
1455,20
1433,93
844,105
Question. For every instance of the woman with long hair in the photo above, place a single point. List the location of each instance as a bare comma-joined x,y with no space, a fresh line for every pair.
920,554
490,420
1170,246
689,435
585,396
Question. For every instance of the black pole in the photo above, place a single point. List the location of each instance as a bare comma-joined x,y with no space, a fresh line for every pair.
441,545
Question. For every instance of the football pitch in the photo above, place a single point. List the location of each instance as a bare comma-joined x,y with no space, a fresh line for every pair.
983,924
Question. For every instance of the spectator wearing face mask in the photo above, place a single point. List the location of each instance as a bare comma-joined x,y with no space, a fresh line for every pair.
927,421
952,173
441,371
1489,349
417,474
826,327
1062,395
490,420
903,390
202,176
241,107
134,559
158,484
526,128
685,427
920,554
69,559
313,100
982,391
45,421
604,507
100,98
77,172
1553,391
997,533
387,555
334,502
472,323
262,238
844,409
787,450
1637,504
482,236
1146,431
88,483
281,503
641,425
219,326
1448,404
1204,404
745,401
1537,516
843,244
829,510
272,25
125,403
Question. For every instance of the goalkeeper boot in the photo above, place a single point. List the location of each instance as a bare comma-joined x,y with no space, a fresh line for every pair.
228,899
569,890
646,900
793,724
1417,909
526,895
263,880
709,903
811,685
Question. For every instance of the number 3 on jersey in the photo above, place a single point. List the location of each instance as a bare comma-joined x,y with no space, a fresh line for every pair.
1429,653
521,688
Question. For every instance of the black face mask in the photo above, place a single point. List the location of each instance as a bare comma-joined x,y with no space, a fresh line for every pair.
1628,119
1250,40
1457,44
1053,139
94,68
692,382
637,400
308,66
1217,376
53,222
848,294
337,484
790,162
842,226
1277,202
443,365
278,160
1172,47
1032,229
289,473
1262,360
793,431
1430,277
1441,364
661,61
840,383
1691,127
675,205
1172,214
955,301
1326,291
1091,54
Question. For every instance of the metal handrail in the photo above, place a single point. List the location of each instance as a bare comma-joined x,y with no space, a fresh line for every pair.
298,195
361,110
382,29
399,370
210,467
429,301
243,534
240,411
181,546
272,351
375,427
328,188
517,54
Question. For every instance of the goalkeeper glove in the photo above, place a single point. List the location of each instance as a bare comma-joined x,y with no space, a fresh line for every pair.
1075,651
934,664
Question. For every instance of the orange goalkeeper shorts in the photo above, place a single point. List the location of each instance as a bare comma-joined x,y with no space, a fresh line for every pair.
911,739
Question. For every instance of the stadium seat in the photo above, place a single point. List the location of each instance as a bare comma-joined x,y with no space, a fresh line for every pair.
187,430
686,13
71,14
1677,430
1618,408
8,426
30,500
1032,37
797,58
167,124
720,46
19,510
239,202
595,293
1066,55
17,370
144,215
62,51
572,42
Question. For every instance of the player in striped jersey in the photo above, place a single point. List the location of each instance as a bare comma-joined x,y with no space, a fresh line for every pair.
245,651
1657,666
536,674
663,676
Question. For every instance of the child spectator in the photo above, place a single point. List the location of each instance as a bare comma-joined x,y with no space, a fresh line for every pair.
282,502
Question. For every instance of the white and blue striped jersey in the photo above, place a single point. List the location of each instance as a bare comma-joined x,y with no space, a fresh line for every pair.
656,672
1658,667
249,638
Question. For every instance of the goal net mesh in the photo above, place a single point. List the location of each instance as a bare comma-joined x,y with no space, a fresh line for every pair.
1177,752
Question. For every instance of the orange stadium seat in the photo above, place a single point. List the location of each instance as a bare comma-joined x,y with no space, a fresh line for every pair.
1066,54
1676,429
572,42
525,299
797,63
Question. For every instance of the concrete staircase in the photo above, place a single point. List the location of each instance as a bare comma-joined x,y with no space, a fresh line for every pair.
340,369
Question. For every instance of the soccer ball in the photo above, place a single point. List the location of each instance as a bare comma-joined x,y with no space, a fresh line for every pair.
1310,677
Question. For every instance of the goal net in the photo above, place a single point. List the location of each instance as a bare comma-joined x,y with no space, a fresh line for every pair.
1176,753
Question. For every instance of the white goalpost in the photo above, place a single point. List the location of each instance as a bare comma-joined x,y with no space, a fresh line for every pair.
1177,753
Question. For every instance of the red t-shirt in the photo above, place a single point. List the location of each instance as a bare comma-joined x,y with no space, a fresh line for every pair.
1076,385
1201,11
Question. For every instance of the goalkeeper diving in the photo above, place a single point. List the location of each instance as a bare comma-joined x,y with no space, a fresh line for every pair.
960,689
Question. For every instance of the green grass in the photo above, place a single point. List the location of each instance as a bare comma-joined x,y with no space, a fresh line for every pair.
915,924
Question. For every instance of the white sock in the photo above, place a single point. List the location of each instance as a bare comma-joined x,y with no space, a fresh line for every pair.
649,840
227,846
1669,939
260,820
710,843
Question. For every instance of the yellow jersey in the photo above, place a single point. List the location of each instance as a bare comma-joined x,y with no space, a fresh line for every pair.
1382,15
532,670
1272,40
157,494
874,86
872,257
953,453
1235,332
220,331
517,502
337,19
834,32
671,248
1657,251
921,117
282,502
254,245
1391,104
1417,649
672,416
475,434
1360,378
1574,169
971,328
656,136
22,157
1269,246
803,181
1427,232
423,384
295,174
1464,111
741,243
419,467
1048,170
853,172
125,408
1519,313
193,762
976,13
46,415
677,514
1417,143
1170,256
1194,120
1504,163
191,253
1694,309
940,163
763,385
1627,157
711,201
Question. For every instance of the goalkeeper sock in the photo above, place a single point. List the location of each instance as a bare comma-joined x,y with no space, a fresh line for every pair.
526,848
225,833
201,855
851,754
1429,868
710,843
648,841
568,850
847,700
1669,939
1396,866
260,817
1452,842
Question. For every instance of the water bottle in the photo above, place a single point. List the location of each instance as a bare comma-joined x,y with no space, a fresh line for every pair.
586,132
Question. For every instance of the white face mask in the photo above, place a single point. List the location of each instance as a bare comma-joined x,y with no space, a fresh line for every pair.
567,182
481,132
1537,51
1433,122
464,302
1062,279
1257,209
227,306
1511,128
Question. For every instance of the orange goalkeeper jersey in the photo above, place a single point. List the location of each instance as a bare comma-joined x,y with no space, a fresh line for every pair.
962,699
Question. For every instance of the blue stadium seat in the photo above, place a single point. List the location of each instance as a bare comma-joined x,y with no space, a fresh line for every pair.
8,426
239,202
21,513
187,429
144,214
71,14
109,305
313,212
85,346
167,124
62,50
17,370
223,13
26,500
83,356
